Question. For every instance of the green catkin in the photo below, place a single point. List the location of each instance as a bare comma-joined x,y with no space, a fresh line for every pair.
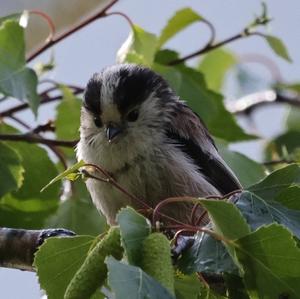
156,260
93,271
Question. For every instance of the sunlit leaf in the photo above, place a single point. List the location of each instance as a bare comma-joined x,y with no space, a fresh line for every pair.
16,79
139,47
278,47
68,115
182,19
214,67
64,174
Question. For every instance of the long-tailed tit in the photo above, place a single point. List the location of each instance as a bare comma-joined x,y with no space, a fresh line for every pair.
136,127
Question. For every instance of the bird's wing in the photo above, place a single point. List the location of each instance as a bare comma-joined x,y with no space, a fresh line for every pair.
192,137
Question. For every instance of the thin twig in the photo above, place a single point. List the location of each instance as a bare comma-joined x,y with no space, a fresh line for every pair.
118,13
31,138
210,47
23,106
77,27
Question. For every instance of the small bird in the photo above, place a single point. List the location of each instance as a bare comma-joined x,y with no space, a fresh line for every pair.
136,127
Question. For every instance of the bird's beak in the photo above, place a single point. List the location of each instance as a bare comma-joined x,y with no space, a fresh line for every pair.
112,131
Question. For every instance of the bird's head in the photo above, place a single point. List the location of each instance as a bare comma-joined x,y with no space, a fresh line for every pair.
124,102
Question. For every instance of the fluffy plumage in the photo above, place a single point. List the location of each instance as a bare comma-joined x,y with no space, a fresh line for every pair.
137,128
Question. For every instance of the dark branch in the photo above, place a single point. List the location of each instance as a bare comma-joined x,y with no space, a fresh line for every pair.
46,99
17,246
77,27
209,47
248,104
31,138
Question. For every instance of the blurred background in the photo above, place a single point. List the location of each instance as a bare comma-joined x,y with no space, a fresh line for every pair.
96,45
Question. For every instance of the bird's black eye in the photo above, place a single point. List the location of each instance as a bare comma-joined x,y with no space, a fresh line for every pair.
133,115
97,121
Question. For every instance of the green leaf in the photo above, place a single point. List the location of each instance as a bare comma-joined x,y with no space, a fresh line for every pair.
235,287
206,255
182,19
140,47
226,218
270,260
14,16
27,206
287,142
134,230
258,212
16,79
293,120
38,171
57,261
209,106
248,171
139,285
278,47
189,287
228,222
70,170
214,67
16,218
11,170
68,115
276,182
290,86
170,74
290,197
78,215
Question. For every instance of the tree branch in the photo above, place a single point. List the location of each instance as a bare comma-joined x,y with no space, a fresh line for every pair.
31,138
24,106
248,104
77,27
17,246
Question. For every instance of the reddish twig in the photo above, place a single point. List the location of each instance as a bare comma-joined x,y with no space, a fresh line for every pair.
49,22
109,179
167,201
118,13
74,29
